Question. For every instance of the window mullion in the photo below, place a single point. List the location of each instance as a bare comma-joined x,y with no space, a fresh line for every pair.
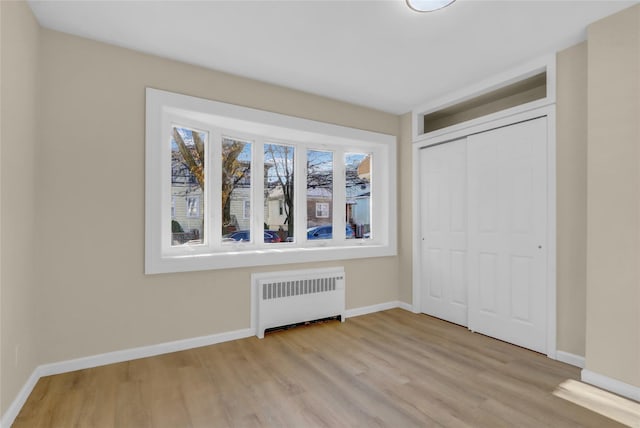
379,198
165,184
375,198
258,199
300,192
339,196
214,182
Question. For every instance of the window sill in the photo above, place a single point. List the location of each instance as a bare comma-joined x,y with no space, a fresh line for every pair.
238,257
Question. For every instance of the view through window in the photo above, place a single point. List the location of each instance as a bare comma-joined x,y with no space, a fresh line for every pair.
188,149
228,186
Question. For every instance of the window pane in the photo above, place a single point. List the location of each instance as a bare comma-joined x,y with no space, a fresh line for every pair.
278,188
236,190
187,186
319,194
358,192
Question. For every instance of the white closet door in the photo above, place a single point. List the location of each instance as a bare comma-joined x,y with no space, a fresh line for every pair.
507,210
443,197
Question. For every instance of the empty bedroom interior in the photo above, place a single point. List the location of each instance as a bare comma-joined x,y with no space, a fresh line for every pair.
72,204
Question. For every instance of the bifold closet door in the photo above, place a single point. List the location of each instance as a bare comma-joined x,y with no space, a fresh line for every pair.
443,198
507,211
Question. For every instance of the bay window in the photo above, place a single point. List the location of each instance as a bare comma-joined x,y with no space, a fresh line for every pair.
228,186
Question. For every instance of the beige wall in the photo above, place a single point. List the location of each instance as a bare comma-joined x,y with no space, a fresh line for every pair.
571,153
405,207
94,297
613,205
18,137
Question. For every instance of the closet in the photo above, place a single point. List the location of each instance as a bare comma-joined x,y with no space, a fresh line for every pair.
483,220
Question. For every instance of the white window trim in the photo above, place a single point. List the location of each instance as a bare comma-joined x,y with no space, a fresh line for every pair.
164,109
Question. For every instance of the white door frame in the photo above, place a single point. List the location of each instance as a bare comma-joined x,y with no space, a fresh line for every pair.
508,117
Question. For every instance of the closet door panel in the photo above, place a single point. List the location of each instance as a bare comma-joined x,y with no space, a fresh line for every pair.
507,208
443,182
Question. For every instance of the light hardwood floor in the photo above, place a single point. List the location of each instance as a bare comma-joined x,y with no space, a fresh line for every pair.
391,368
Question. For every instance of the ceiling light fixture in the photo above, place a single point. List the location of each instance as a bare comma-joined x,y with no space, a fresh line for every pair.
428,5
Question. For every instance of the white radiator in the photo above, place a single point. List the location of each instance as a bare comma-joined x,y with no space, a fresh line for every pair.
291,297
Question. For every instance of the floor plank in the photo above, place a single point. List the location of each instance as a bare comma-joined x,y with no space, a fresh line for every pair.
387,369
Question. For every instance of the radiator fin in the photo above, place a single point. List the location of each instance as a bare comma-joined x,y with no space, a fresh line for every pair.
280,289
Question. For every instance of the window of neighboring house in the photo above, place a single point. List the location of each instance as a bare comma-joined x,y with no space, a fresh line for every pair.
322,210
193,206
201,159
246,212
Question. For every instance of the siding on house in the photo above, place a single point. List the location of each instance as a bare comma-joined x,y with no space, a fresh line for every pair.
239,217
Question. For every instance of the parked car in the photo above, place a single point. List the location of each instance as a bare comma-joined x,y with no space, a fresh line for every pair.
271,236
245,235
326,232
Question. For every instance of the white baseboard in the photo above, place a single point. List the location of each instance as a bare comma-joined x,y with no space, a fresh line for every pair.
364,310
141,352
151,351
569,358
111,358
15,407
405,306
610,384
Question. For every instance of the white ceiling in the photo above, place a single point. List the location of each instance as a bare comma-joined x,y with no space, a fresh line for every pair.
378,54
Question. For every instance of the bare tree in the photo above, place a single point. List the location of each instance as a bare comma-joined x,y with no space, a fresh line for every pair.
193,157
319,170
281,176
234,172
